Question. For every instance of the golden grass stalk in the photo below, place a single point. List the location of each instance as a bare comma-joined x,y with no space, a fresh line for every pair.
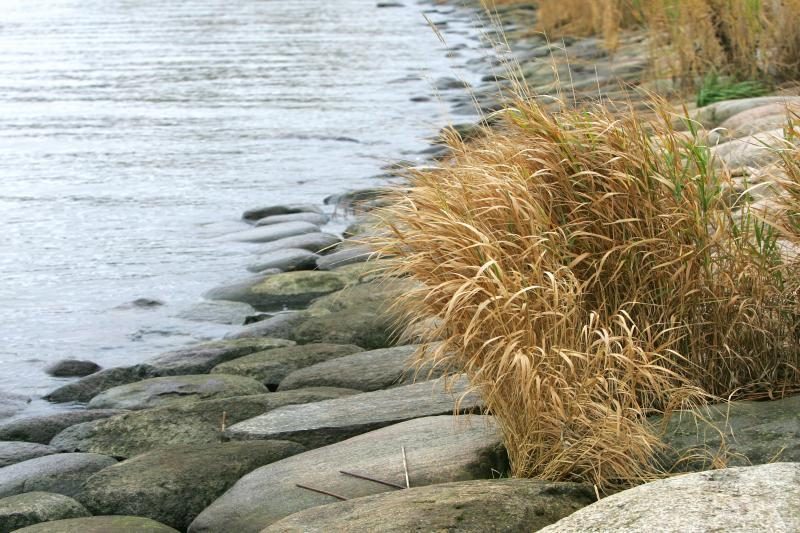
586,270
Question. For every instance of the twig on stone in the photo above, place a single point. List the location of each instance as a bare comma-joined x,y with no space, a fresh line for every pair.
362,476
320,491
405,466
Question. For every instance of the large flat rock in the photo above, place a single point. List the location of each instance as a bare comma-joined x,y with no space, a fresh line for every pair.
321,423
101,524
173,485
12,452
87,388
257,213
278,291
439,449
756,498
62,473
201,358
313,242
197,422
159,391
273,232
345,256
43,428
467,506
744,432
32,508
366,371
270,367
286,260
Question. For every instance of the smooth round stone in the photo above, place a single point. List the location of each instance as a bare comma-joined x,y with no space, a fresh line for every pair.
100,524
12,452
42,429
36,507
318,243
285,260
63,473
314,218
273,232
258,213
72,368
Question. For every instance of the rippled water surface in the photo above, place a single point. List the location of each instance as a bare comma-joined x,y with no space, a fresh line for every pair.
133,132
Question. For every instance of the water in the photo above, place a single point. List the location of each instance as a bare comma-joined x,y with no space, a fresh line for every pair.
132,132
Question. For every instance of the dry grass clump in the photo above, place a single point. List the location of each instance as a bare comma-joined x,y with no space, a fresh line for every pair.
587,270
747,39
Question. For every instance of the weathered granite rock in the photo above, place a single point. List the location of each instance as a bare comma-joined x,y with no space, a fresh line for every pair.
373,296
240,290
294,289
314,218
744,433
12,452
273,232
761,118
322,423
218,312
201,358
258,213
313,242
270,367
167,390
276,291
32,508
63,473
100,524
757,498
72,368
86,388
344,256
467,506
173,485
285,260
715,114
195,423
363,328
365,371
751,151
42,429
439,450
280,325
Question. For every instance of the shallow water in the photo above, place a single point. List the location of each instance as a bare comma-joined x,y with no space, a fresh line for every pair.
131,132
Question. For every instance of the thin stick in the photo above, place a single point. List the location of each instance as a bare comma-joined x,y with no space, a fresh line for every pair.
405,466
326,493
361,476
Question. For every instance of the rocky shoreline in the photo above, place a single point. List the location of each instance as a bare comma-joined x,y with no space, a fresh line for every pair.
269,428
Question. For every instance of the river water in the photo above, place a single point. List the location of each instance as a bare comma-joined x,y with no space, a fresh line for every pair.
132,132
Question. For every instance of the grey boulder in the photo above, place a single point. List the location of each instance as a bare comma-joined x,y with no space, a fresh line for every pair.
201,358
86,388
365,371
167,390
326,422
218,312
278,291
12,452
62,473
438,449
317,243
258,213
757,498
273,232
344,256
270,367
42,429
173,485
467,506
285,260
743,432
32,508
314,218
101,524
72,368
194,423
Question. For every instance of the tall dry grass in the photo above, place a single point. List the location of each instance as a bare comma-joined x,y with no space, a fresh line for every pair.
746,39
587,270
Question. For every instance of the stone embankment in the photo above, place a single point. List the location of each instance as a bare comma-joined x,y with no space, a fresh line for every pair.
307,418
